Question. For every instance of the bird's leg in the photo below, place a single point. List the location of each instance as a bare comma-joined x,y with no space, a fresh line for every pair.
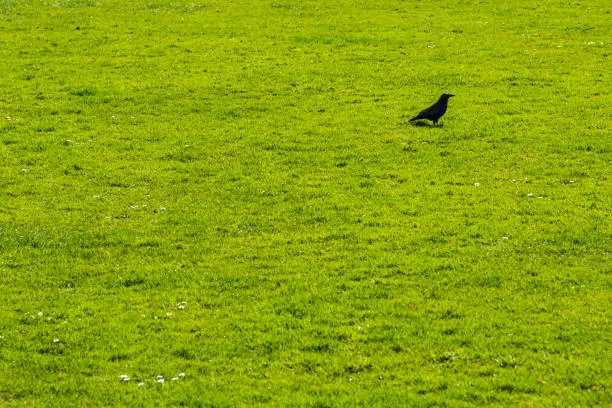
435,122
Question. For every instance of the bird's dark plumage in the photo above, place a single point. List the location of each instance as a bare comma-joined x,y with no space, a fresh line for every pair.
435,111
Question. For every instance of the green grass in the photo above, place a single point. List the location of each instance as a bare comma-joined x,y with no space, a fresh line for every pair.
254,160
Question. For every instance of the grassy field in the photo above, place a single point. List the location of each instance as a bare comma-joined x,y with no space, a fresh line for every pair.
232,192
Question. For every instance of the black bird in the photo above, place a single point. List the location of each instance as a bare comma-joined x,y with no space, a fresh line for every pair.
435,111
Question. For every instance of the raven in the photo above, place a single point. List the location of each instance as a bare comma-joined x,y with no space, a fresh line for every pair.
435,111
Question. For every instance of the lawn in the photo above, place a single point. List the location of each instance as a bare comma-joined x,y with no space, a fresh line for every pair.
224,203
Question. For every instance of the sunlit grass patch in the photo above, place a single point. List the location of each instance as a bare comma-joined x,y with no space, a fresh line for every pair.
224,204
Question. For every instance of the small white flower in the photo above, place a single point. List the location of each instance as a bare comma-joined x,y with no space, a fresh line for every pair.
359,328
514,180
24,170
181,375
168,314
140,384
174,378
114,117
431,46
56,341
1,337
160,380
572,181
40,314
133,206
350,380
181,306
126,379
530,195
69,141
96,196
124,376
380,377
540,196
162,209
505,238
476,184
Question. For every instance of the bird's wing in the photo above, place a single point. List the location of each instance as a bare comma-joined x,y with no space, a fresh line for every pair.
425,113
419,116
429,110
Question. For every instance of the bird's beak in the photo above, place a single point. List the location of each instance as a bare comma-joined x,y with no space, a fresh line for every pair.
450,95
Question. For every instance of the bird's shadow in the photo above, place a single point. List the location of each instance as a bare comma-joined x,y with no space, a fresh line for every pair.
422,123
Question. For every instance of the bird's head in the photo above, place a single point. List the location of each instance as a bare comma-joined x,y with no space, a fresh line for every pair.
446,96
